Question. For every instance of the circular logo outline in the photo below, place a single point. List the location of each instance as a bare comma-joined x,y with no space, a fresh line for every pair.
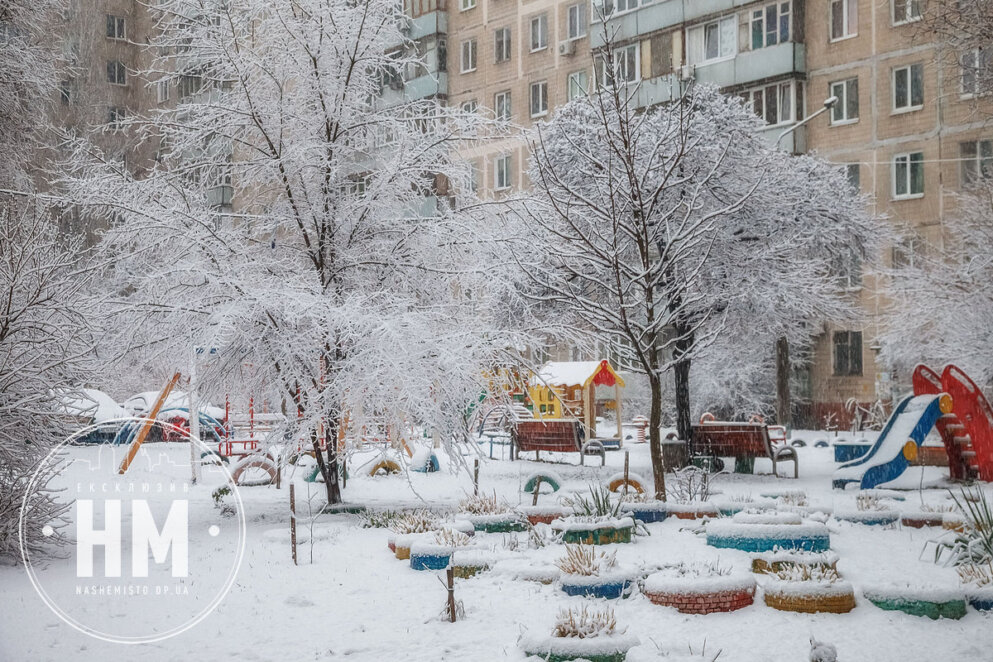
91,631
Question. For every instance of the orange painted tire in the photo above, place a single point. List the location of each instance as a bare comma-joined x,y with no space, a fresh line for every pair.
618,483
707,417
260,463
389,466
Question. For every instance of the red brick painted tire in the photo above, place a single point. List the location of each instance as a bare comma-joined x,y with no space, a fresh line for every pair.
708,595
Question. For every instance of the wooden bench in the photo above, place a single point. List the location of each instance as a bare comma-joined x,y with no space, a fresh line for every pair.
743,441
555,436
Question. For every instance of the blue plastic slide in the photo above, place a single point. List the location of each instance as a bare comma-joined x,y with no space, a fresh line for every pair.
911,421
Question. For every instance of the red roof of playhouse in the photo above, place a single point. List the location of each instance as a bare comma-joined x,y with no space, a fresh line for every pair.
578,373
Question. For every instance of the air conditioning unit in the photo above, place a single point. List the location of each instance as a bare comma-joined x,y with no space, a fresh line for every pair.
687,72
567,47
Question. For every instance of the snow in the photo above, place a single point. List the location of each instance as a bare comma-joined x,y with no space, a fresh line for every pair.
737,530
602,645
566,373
93,404
381,609
667,582
808,588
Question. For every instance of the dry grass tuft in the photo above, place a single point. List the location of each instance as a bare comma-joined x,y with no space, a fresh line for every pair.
415,521
585,623
792,571
483,504
586,561
451,538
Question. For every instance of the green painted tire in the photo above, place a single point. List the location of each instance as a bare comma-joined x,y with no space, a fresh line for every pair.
953,609
545,480
601,536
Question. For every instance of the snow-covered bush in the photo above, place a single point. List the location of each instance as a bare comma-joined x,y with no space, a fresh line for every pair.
973,545
452,538
415,521
793,571
586,561
599,504
586,623
690,484
482,504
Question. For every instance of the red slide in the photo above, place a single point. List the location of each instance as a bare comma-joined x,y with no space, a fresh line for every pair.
967,431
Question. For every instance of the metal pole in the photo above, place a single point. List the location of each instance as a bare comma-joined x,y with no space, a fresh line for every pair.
293,522
194,419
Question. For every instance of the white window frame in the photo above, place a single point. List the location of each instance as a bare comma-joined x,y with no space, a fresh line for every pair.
847,17
907,158
541,22
466,5
502,36
759,16
120,27
503,161
115,117
700,59
788,87
980,60
119,69
577,11
618,54
468,53
909,68
611,8
469,106
573,81
908,11
841,89
502,98
162,90
541,88
982,166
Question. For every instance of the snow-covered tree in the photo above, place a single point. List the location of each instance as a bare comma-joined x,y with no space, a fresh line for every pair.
963,30
345,275
45,348
941,302
659,231
27,84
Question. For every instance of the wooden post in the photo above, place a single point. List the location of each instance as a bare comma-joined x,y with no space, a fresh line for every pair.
451,592
293,522
537,488
344,473
627,460
475,478
147,425
279,472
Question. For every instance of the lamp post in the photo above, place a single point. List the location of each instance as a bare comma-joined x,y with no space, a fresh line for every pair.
784,414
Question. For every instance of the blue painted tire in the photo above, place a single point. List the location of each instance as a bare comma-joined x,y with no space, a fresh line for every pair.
883,519
429,561
981,604
805,543
610,590
646,515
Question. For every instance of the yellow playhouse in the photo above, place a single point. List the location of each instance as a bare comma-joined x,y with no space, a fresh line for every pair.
567,389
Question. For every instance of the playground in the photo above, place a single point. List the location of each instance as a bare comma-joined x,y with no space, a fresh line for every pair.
759,561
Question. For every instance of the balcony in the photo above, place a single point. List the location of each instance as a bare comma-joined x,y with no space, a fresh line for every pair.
422,87
751,66
426,17
659,15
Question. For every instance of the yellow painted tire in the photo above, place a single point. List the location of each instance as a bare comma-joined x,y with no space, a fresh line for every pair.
616,484
388,466
910,451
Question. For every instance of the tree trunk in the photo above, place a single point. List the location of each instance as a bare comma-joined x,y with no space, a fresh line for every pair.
655,437
681,370
331,443
784,415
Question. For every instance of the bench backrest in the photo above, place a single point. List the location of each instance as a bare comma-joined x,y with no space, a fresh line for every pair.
558,435
731,439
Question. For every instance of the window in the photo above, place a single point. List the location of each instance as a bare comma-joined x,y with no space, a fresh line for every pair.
848,271
578,84
466,4
627,65
846,109
773,103
976,161
905,11
539,99
501,172
115,118
539,33
116,27
908,87
910,252
116,73
716,40
847,353
844,19
771,25
468,56
577,21
501,105
189,84
501,44
853,173
162,90
975,70
908,175
67,92
470,106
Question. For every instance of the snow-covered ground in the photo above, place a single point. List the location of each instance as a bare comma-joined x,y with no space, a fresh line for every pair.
351,599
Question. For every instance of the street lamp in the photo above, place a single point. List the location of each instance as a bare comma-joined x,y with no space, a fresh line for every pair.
784,412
